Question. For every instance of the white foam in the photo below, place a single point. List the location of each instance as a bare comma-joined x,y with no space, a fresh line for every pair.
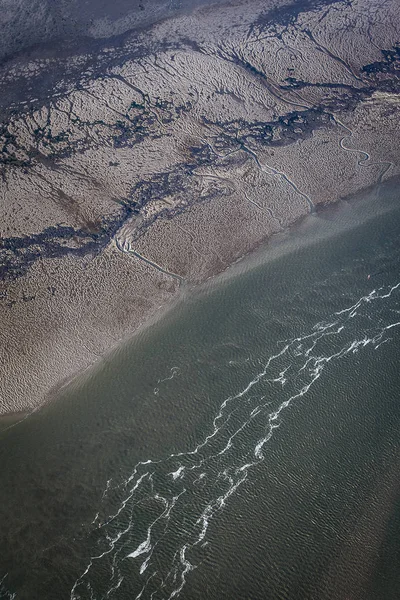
178,473
218,460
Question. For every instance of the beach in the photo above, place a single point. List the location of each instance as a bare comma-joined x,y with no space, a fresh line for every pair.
244,445
141,162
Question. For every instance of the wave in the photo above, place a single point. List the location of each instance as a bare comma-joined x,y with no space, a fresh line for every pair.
163,508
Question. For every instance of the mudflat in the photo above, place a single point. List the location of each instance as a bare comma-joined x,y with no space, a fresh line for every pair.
143,154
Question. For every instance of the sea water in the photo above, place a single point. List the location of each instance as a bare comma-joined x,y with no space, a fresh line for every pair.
245,446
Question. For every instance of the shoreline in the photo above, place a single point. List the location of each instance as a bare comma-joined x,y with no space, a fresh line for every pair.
270,249
164,158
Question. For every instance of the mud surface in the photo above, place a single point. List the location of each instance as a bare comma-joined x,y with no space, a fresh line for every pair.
155,145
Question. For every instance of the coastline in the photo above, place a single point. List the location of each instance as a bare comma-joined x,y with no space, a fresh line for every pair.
166,163
294,236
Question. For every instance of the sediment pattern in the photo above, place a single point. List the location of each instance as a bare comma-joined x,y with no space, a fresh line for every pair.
132,165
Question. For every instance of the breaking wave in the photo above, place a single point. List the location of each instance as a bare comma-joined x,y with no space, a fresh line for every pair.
163,509
155,536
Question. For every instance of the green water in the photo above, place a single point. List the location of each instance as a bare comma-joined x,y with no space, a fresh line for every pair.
245,446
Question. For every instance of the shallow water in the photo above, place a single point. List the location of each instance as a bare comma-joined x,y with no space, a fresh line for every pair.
244,446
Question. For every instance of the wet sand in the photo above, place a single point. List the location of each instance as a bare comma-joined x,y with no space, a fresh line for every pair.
149,163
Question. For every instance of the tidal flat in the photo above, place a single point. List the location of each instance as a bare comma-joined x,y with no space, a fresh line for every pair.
138,157
244,445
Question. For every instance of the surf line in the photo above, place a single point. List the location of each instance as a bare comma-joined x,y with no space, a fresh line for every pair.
186,490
